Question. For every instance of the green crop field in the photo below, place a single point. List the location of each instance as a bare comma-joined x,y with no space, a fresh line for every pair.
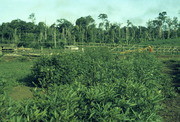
94,85
122,67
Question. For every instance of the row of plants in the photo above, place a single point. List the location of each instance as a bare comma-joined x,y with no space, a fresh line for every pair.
94,85
167,42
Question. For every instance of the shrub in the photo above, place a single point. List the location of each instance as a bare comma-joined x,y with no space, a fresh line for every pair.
62,69
23,59
98,86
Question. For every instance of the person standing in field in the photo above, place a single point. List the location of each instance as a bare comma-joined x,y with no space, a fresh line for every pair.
150,48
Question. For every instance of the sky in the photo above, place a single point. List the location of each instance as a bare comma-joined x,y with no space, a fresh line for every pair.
118,11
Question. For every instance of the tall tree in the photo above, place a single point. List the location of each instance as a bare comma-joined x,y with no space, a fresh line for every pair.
85,25
65,27
32,17
129,24
169,23
104,20
176,25
103,25
161,21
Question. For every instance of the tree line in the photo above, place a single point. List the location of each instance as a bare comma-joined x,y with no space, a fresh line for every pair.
85,30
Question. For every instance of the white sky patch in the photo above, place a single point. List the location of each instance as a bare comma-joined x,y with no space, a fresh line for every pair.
137,11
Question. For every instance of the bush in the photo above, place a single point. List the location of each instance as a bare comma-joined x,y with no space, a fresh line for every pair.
97,86
76,102
99,65
66,68
23,59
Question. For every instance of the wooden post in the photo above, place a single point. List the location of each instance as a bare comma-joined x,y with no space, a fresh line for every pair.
1,50
127,35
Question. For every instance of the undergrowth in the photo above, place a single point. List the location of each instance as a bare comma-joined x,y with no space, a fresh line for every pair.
94,85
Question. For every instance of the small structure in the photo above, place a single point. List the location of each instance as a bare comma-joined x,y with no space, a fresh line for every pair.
72,47
7,49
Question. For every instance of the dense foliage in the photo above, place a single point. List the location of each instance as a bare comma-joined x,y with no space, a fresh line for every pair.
167,42
92,86
86,30
89,67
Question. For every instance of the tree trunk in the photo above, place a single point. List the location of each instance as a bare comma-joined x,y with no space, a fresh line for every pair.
140,34
40,37
169,33
175,31
45,35
119,34
133,35
160,32
127,35
15,36
54,37
2,38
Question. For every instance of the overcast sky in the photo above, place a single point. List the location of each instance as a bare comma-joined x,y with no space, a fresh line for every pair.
137,11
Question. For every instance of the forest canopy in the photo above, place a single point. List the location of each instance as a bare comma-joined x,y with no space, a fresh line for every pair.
86,30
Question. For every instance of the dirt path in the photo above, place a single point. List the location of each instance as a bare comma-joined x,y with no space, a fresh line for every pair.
171,113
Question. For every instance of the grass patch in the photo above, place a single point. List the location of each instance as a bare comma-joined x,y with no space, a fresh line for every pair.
14,72
21,92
